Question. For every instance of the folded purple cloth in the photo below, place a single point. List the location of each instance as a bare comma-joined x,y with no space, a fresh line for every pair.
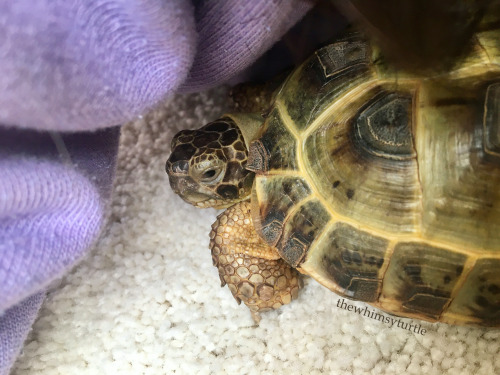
13,326
69,71
52,205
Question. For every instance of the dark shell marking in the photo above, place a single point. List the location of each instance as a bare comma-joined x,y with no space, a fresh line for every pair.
353,259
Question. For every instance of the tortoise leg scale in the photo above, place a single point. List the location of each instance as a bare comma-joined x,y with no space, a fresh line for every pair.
253,270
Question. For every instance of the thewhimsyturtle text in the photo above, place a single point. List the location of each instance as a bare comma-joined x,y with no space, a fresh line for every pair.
373,314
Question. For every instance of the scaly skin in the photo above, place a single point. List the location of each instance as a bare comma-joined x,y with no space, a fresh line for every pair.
253,270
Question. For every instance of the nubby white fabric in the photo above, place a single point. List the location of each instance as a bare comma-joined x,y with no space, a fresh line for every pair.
147,299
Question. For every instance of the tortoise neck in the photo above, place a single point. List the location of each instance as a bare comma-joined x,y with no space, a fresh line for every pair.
249,125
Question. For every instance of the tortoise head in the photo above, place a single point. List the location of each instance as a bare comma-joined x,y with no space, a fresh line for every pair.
207,166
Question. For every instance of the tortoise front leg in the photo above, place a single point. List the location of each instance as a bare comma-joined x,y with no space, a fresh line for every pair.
253,270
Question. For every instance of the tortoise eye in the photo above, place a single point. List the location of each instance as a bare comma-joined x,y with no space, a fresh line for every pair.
208,171
209,174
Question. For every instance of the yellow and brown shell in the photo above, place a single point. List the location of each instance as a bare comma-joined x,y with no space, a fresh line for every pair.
385,186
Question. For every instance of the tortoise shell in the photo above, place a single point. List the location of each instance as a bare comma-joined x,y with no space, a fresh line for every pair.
383,185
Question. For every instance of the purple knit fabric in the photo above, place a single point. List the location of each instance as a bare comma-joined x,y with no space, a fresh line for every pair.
42,213
70,70
229,42
51,209
13,327
86,64
52,204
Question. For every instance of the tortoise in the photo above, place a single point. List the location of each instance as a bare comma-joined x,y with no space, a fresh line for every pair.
382,184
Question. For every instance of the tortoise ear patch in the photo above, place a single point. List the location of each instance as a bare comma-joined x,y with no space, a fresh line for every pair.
228,191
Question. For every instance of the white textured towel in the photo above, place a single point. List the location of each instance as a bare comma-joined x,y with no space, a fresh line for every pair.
147,299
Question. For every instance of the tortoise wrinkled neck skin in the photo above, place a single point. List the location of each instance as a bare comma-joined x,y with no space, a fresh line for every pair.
207,166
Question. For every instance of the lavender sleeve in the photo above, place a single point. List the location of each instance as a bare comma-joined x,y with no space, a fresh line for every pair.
70,72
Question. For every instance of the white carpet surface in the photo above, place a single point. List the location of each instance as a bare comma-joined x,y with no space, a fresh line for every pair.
147,299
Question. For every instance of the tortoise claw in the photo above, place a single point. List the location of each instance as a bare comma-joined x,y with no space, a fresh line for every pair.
256,317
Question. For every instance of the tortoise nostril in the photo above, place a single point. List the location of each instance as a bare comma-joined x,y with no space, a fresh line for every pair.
180,166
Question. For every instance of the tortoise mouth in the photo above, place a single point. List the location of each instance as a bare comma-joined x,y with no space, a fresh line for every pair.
201,200
214,203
